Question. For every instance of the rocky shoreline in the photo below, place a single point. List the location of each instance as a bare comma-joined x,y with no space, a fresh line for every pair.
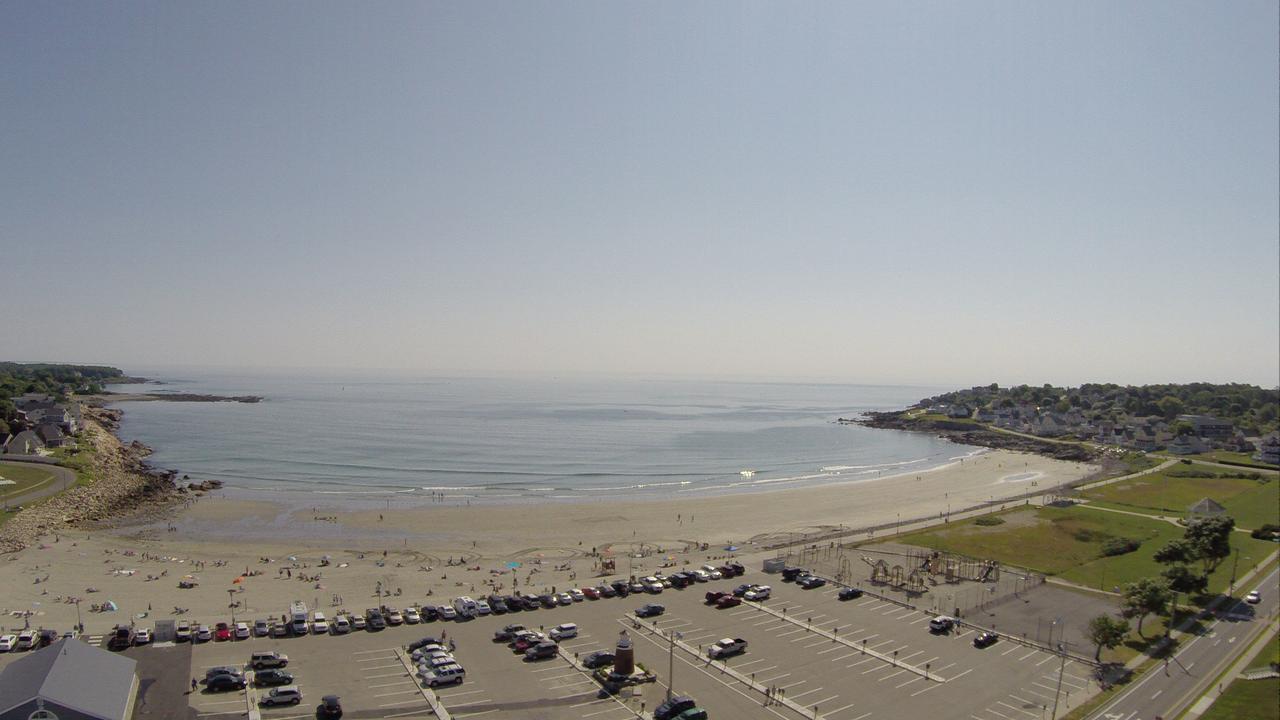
173,397
970,434
125,489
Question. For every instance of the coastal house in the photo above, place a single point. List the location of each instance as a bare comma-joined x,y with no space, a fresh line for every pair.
32,401
958,412
1187,445
1144,438
1207,426
1049,424
1269,449
69,680
24,443
52,435
985,415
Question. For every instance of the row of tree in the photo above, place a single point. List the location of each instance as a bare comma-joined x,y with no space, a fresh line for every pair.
49,379
1204,545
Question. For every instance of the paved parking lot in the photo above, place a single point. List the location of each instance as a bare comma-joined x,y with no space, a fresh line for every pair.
856,660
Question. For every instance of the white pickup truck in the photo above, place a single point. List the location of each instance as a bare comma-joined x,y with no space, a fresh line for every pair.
726,647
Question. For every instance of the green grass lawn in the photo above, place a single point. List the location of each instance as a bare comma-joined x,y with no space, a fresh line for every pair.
1251,502
1067,542
25,477
80,460
1234,457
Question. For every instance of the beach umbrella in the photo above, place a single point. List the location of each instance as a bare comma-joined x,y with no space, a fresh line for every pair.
326,557
731,548
238,580
513,564
293,558
110,605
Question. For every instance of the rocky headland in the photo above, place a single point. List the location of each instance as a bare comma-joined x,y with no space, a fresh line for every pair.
967,433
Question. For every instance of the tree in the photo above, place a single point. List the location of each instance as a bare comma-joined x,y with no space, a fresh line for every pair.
1182,427
1147,596
1106,632
1170,407
1183,580
1210,538
1176,552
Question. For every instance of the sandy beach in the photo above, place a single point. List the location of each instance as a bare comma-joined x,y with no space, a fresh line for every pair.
269,553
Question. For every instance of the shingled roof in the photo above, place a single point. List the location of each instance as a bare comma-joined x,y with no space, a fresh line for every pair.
74,675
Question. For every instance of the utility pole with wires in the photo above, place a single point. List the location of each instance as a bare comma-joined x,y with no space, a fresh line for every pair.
672,636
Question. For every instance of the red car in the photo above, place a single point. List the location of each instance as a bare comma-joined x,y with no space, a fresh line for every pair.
728,601
591,593
222,631
714,596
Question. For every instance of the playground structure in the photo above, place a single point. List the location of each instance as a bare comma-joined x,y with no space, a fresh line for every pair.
946,581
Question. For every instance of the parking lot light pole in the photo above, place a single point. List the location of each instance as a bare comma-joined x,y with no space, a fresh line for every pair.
671,660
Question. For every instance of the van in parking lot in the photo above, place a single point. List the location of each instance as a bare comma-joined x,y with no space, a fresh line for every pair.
443,676
268,659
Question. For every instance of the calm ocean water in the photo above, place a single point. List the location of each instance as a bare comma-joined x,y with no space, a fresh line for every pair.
521,440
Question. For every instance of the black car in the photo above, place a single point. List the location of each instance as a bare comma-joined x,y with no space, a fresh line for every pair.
429,613
373,619
422,643
329,707
514,604
263,678
737,568
849,593
530,603
810,582
121,639
598,659
497,605
986,639
741,590
791,573
673,707
650,610
548,601
222,683
679,580
622,587
608,591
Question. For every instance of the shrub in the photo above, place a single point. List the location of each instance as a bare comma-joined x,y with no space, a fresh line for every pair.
1084,535
1119,546
1266,532
989,520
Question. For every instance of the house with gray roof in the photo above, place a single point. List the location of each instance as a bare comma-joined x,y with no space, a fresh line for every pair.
70,680
24,443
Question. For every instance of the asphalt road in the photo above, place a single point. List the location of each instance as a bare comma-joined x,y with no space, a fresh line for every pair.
63,478
1163,693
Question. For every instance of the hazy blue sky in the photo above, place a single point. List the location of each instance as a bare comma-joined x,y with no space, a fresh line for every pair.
952,192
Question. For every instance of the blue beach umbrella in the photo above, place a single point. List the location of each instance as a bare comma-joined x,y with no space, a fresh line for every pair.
513,564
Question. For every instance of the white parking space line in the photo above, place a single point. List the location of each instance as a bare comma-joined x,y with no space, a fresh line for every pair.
397,692
390,684
600,712
875,668
926,618
1046,659
821,641
792,632
1011,649
370,652
1024,701
834,647
382,667
906,613
1024,657
474,714
908,657
845,656
423,712
1029,691
822,702
457,694
957,677
1016,709
750,662
860,662
402,673
375,659
891,675
869,637
926,689
797,696
904,684
401,703
829,713
771,621
882,644
775,677
552,668
791,685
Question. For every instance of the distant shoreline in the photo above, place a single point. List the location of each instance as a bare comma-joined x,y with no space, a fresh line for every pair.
112,397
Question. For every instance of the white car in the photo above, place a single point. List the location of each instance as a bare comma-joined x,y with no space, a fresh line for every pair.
358,622
8,643
341,625
394,617
759,592
428,650
242,631
183,631
26,639
1253,598
448,613
436,660
564,631
482,607
564,598
712,572
577,595
320,625
443,675
203,634
701,576
142,637
411,616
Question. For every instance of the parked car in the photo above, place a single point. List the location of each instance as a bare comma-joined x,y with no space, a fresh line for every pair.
742,589
341,625
268,659
791,573
411,616
358,622
941,624
261,628
810,582
693,713
421,643
759,592
542,650
223,683
447,612
279,630
8,643
576,595
701,576
497,605
849,593
288,695
429,613
330,707
650,610
373,619
737,568
727,647
528,640
563,631
221,632
507,633
120,639
483,607
142,637
607,591
712,597
242,631
728,601
222,670
564,598
591,593
673,707
436,660
182,631
443,676
1253,598
268,678
203,634
985,639
393,617
598,659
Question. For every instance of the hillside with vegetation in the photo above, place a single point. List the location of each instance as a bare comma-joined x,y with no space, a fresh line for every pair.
49,379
